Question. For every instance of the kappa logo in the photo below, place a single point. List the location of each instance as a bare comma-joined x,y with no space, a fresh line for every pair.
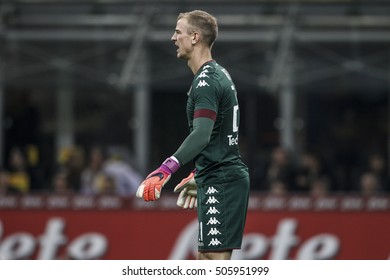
214,242
213,221
211,190
214,231
213,211
206,66
203,75
212,200
202,83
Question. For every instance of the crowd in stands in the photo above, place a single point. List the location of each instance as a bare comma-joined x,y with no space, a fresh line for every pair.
75,173
98,172
312,174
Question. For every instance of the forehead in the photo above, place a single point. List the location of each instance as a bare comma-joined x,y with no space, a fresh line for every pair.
182,24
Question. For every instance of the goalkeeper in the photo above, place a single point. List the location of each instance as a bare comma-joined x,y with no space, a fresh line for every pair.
219,186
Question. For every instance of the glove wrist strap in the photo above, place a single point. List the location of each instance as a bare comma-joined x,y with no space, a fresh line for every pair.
170,165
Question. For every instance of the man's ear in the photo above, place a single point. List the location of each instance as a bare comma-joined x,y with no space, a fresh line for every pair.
195,38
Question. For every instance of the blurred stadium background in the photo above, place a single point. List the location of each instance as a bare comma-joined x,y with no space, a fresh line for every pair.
92,97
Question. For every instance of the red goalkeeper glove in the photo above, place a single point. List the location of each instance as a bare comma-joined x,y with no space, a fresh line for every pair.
150,188
188,192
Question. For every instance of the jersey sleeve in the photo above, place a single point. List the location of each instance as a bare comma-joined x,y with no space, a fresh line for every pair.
196,141
206,98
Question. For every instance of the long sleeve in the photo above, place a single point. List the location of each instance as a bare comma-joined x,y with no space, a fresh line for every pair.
196,141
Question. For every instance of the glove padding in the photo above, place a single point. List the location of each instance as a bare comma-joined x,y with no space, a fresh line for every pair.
188,192
150,188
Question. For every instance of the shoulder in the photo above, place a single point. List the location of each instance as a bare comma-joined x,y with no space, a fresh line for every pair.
206,72
205,78
222,73
212,72
215,72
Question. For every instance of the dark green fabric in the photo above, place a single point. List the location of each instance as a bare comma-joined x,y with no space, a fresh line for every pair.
213,90
196,141
222,210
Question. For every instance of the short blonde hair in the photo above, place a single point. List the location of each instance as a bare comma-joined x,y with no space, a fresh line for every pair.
202,22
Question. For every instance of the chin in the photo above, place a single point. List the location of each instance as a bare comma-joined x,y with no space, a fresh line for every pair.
181,56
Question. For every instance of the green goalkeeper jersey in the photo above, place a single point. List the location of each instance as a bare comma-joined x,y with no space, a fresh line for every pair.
213,95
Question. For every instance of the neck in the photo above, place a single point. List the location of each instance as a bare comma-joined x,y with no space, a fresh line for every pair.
199,57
